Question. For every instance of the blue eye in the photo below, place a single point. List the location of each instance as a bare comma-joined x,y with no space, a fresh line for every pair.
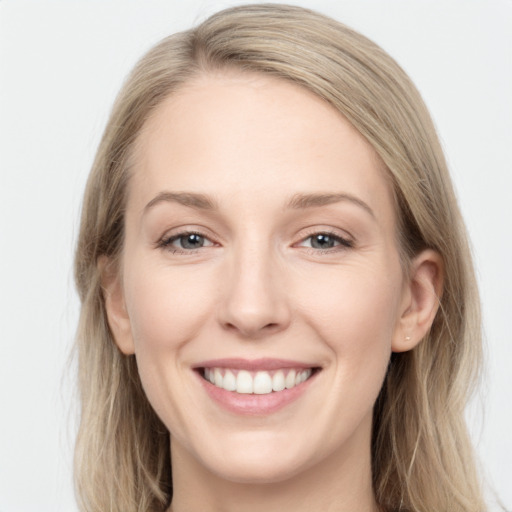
191,241
186,242
325,241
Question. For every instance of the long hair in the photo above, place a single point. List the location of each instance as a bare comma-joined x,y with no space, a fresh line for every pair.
422,459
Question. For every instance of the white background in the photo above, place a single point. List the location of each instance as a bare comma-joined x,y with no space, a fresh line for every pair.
61,63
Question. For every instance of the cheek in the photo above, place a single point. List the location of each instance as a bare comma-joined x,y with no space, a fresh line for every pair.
355,311
166,306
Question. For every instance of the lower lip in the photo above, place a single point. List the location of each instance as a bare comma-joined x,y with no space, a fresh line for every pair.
252,404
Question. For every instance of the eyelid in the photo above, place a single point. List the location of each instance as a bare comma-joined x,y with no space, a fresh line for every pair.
166,240
339,234
345,240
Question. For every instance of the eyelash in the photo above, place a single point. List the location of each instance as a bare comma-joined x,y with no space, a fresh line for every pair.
166,242
343,243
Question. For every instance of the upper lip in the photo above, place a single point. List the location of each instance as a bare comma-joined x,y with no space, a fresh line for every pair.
264,364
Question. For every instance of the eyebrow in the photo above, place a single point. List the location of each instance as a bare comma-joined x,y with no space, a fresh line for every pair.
297,202
303,201
190,199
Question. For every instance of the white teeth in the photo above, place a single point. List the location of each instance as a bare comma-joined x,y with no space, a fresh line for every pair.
244,382
290,380
259,383
278,381
262,383
209,374
306,374
229,383
218,378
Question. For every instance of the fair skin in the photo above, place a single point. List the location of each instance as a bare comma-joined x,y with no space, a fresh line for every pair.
261,236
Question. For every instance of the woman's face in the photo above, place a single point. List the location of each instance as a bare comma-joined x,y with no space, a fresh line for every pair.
260,251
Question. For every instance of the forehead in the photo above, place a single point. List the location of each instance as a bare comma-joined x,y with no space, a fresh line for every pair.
253,137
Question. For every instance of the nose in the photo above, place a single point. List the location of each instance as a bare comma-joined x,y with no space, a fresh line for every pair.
254,303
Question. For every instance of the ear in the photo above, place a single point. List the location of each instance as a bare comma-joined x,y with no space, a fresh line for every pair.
117,316
420,301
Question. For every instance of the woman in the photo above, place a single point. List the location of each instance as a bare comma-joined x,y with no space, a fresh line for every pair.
278,300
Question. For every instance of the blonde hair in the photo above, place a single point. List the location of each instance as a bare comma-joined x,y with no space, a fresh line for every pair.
422,458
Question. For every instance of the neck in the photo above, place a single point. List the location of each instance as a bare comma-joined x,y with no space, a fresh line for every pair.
341,483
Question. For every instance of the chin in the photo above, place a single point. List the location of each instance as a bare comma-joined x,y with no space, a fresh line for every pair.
259,465
257,472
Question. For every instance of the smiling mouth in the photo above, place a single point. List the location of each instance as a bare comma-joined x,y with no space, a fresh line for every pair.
256,382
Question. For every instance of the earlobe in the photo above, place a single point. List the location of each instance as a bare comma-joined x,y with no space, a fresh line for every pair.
421,299
117,316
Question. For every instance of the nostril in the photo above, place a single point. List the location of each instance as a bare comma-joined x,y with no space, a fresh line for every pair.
253,330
